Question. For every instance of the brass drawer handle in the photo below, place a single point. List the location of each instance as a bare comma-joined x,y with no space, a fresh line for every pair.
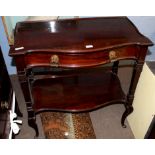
112,55
54,61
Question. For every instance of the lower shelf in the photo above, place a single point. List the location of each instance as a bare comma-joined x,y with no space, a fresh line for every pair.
78,93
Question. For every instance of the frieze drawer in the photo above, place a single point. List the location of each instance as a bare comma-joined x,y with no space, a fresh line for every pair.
58,59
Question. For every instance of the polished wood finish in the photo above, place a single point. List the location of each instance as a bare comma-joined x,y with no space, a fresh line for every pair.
56,60
72,35
43,58
83,92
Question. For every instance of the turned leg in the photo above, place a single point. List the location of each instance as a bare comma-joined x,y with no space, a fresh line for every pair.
17,110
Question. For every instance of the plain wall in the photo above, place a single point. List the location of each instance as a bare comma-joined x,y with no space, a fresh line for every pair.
146,25
143,104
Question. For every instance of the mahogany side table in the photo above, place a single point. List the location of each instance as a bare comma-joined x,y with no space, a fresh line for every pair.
61,64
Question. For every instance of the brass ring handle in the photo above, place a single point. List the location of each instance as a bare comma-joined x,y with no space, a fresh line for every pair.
54,61
112,55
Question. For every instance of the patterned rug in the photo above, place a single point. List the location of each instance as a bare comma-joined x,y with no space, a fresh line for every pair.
58,125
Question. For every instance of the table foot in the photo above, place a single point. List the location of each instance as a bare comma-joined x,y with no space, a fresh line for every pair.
128,110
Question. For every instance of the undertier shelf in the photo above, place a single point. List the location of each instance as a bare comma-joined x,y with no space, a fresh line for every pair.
78,93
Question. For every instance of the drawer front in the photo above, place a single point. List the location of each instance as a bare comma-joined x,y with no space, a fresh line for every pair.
80,60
